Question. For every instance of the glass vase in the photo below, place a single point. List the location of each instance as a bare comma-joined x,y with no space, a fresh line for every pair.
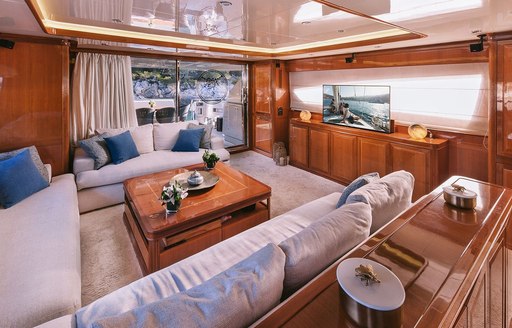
172,208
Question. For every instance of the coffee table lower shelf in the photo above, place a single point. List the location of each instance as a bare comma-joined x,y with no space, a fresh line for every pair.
154,255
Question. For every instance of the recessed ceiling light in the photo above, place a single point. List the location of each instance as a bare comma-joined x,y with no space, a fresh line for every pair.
476,31
340,31
306,22
225,3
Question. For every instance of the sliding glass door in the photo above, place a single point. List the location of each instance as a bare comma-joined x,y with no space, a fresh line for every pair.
212,93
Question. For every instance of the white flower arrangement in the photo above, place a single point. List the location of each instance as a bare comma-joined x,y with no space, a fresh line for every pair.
173,193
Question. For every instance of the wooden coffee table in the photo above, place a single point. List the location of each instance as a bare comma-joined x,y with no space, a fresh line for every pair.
237,202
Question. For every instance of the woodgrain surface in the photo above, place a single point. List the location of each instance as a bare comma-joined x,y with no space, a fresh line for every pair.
34,101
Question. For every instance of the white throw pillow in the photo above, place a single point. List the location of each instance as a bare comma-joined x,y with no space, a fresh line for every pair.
234,298
165,135
313,249
142,136
387,197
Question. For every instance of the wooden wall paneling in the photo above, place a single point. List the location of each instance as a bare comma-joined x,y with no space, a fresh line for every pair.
281,95
504,100
504,174
453,53
299,146
34,100
416,161
373,156
319,150
263,133
344,159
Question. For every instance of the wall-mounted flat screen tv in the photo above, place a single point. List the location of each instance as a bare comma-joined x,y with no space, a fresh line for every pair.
358,106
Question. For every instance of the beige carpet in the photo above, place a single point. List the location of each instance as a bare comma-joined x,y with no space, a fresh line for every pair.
108,259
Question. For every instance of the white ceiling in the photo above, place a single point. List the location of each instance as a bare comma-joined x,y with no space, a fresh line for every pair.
269,24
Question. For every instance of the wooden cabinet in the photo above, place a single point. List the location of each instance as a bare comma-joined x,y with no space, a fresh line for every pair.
342,154
343,147
373,156
413,160
269,105
299,146
319,150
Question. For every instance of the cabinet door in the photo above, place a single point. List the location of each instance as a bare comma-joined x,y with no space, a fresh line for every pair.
319,150
262,75
343,157
504,175
504,100
373,156
299,146
263,133
415,161
497,295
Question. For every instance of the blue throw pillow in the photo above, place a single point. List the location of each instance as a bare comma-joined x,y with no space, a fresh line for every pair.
188,140
19,178
356,184
121,147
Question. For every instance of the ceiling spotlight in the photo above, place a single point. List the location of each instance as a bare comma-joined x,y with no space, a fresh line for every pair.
225,3
305,22
341,31
350,60
477,47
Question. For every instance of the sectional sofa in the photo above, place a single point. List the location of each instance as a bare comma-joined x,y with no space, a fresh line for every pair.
104,186
235,282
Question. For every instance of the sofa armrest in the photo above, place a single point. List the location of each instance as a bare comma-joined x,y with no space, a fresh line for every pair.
82,162
217,143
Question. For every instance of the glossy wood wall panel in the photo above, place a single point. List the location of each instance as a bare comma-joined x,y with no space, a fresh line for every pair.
504,100
416,161
343,150
34,101
319,150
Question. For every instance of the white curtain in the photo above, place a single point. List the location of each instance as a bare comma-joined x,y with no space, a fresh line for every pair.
102,94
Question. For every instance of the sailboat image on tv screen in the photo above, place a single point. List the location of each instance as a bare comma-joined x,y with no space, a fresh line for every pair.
358,106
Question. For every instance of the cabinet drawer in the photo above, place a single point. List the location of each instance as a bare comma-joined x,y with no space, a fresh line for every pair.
178,247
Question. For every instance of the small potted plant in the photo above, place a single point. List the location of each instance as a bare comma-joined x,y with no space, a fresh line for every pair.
151,103
210,159
172,196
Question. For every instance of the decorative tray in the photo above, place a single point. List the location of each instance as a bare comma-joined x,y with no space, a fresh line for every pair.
210,180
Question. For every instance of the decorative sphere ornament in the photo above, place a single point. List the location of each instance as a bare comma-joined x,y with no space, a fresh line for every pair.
305,115
417,131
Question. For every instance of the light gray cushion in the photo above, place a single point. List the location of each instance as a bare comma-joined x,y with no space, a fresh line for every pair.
142,136
387,197
356,184
35,158
316,247
206,139
96,148
40,252
200,267
234,298
165,135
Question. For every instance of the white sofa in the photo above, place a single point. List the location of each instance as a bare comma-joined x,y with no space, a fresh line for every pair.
40,256
104,187
366,211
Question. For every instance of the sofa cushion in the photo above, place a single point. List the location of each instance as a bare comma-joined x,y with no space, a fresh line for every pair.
204,265
142,136
387,197
144,164
234,298
41,280
19,179
96,148
188,140
121,147
356,184
33,154
313,249
165,135
206,139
